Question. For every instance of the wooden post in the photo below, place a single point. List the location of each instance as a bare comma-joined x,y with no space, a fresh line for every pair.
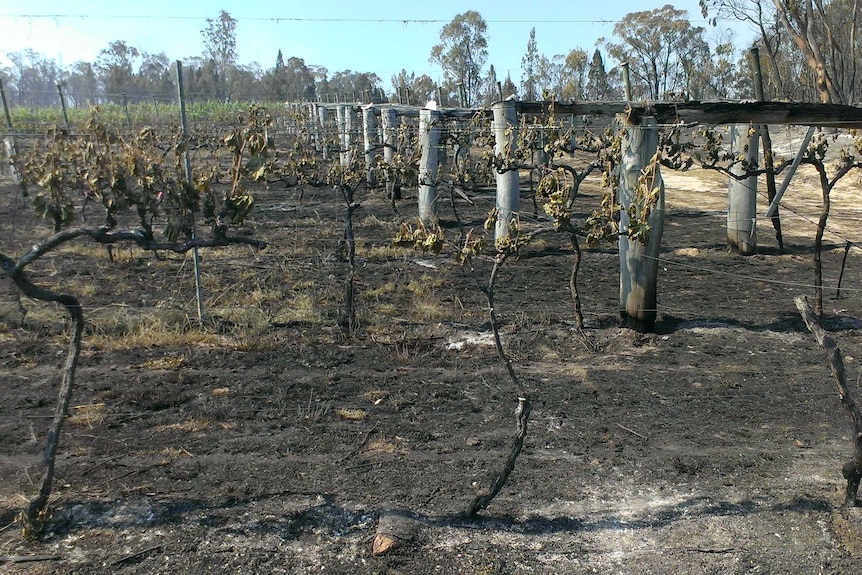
63,107
322,118
343,135
314,126
542,157
351,129
429,136
766,142
369,135
779,193
188,171
638,260
742,194
389,121
505,143
9,142
126,108
627,82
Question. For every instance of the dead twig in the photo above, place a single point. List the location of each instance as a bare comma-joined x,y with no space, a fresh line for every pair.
29,558
136,556
361,444
633,432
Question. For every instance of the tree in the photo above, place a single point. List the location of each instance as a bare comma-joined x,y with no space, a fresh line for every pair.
598,84
276,79
348,84
509,88
574,74
220,48
760,14
155,77
822,32
34,79
117,66
658,45
563,77
246,82
491,92
292,80
462,52
529,69
421,88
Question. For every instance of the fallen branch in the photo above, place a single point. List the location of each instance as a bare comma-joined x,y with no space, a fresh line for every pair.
852,469
632,431
29,558
136,556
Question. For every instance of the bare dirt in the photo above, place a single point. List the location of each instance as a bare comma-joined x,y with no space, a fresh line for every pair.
269,442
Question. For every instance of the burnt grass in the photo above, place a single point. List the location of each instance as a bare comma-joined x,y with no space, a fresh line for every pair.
269,441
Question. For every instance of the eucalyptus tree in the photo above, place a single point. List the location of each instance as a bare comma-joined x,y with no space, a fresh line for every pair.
823,32
118,65
420,88
220,49
660,46
462,52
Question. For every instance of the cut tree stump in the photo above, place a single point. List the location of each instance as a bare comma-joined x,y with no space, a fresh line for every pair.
393,530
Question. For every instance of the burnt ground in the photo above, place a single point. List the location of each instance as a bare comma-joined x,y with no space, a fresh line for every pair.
268,442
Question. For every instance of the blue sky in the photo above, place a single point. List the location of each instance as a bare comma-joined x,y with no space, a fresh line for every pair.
381,36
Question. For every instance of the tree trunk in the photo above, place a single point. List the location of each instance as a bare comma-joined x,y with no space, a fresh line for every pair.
639,260
505,144
742,194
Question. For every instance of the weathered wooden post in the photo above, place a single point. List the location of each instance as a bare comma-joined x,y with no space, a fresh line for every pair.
323,119
314,125
505,129
389,121
63,107
542,157
343,134
351,129
369,135
429,136
9,142
196,261
766,143
742,194
627,82
126,109
639,258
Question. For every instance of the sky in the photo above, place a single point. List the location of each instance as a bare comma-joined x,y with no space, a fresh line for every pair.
380,36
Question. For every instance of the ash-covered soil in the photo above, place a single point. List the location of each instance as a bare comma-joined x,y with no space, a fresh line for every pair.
271,442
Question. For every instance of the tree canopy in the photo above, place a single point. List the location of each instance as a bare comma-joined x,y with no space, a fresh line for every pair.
462,52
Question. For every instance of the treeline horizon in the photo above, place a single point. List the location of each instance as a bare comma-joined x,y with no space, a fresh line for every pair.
668,58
